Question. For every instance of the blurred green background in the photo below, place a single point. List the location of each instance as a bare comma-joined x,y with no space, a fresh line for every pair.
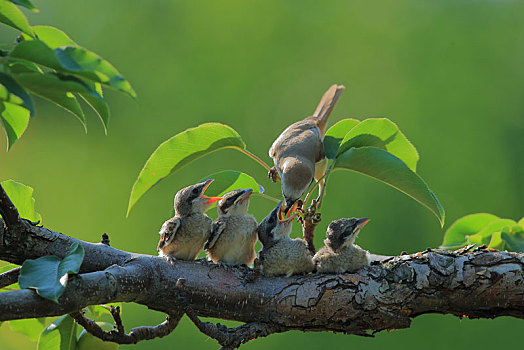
449,73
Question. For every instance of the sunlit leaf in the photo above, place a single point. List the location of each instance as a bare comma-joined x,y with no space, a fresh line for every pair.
96,311
521,222
30,327
38,52
14,88
484,235
335,135
384,134
26,4
181,150
22,198
457,234
52,37
59,335
98,104
48,275
13,17
87,341
496,241
67,101
389,169
14,120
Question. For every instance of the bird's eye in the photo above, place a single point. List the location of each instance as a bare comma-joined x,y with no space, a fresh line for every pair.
271,220
195,191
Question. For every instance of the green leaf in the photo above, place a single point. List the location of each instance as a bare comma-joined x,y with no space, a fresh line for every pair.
13,17
87,341
38,52
25,3
96,311
457,234
384,134
51,36
496,241
514,241
521,222
389,169
14,120
53,82
66,100
14,88
484,235
180,150
49,275
335,135
230,180
22,197
98,104
31,327
91,66
60,334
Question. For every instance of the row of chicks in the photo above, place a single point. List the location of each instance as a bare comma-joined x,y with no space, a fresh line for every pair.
232,236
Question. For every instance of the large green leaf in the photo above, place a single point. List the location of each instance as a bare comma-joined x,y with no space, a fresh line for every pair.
60,335
49,274
389,169
457,234
22,198
30,327
14,88
336,134
384,134
181,150
13,17
52,82
14,120
38,52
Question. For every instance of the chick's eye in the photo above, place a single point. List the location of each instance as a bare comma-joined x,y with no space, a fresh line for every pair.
195,191
271,220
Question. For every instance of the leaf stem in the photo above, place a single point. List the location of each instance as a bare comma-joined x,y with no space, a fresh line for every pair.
267,197
258,160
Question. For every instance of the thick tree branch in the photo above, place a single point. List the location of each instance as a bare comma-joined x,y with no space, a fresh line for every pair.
386,295
8,210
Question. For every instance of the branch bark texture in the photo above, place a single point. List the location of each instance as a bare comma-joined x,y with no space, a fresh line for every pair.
386,295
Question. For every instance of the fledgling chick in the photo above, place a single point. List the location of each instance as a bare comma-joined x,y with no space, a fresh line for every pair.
298,153
234,233
339,253
280,254
183,236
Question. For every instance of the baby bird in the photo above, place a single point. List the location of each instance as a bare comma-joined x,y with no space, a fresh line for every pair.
340,254
234,233
298,153
183,236
280,254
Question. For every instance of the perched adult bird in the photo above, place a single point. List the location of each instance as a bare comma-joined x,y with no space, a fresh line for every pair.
183,236
340,254
234,233
298,153
280,254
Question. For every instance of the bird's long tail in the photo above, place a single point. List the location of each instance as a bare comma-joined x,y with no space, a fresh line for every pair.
326,105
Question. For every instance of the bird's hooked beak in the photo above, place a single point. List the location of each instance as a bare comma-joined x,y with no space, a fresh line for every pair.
209,199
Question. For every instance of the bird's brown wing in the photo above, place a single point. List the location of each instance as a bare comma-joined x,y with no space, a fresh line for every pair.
168,231
326,105
216,229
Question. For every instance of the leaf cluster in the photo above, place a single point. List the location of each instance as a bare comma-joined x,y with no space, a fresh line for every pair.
44,61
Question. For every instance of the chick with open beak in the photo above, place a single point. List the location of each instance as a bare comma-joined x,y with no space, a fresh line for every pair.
234,233
280,254
183,236
340,254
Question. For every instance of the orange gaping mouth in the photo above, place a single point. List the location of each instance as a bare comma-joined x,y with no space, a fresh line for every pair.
282,218
209,199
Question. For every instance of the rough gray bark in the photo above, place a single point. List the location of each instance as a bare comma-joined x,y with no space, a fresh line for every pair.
480,283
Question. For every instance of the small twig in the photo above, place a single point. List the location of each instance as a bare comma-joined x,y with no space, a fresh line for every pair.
8,210
136,334
9,277
115,312
105,239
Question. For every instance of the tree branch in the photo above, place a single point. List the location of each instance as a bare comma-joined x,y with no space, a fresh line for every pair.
9,277
387,295
8,210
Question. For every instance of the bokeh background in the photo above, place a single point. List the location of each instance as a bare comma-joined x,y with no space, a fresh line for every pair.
449,73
